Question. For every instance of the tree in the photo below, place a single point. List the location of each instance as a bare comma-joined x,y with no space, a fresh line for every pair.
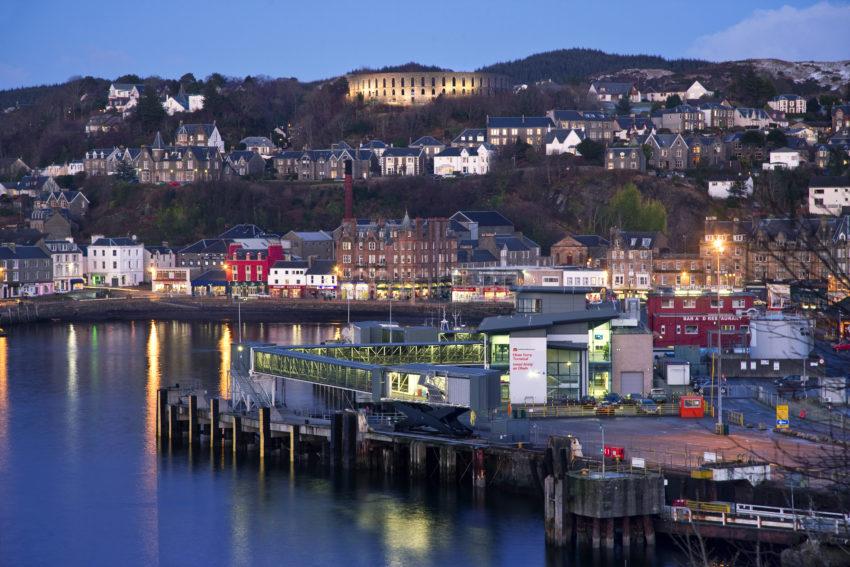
673,101
751,89
752,138
124,171
777,138
629,210
133,79
624,106
149,112
591,151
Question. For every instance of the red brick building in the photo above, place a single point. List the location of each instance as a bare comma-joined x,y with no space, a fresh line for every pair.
691,319
407,259
248,268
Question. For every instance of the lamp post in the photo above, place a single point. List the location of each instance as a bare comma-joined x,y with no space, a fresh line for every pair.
720,428
602,428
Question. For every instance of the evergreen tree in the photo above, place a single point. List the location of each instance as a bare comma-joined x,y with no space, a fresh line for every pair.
629,210
125,171
624,106
591,151
149,112
673,101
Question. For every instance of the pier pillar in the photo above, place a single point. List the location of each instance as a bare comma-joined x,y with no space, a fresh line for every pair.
295,443
194,428
388,458
609,533
627,533
161,412
479,473
349,440
418,459
236,433
557,522
649,530
448,465
581,530
336,439
175,436
265,431
215,430
595,537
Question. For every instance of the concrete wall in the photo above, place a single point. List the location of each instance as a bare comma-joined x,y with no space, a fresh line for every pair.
631,352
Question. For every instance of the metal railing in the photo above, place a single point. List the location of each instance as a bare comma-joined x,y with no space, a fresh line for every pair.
567,411
760,517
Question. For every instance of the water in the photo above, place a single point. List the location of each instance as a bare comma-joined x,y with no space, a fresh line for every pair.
82,481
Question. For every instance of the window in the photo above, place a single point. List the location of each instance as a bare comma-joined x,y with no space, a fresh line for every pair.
691,330
689,304
526,305
667,304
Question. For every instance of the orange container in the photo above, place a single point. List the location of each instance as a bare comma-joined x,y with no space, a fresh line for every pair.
691,406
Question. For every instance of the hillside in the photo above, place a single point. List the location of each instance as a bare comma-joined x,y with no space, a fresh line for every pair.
570,65
544,202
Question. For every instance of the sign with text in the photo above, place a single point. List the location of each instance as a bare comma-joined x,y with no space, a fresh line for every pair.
782,421
528,370
612,452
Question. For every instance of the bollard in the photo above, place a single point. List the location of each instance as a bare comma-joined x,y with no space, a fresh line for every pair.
265,431
215,430
194,428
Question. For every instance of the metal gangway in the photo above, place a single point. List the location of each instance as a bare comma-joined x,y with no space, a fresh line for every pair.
760,517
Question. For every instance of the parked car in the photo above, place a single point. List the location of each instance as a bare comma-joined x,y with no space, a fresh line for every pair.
632,399
843,346
658,395
613,398
649,407
790,381
588,401
606,410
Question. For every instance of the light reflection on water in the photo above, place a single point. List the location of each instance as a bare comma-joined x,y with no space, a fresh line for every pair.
83,483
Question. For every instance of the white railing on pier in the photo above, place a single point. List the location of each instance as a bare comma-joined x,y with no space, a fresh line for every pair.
764,517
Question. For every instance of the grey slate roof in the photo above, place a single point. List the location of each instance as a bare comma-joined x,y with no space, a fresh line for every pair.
519,122
507,323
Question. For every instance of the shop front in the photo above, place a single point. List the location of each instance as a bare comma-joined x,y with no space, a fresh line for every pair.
358,291
287,291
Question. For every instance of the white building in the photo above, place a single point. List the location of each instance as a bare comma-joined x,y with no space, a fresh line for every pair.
172,280
783,158
68,265
183,103
157,258
788,103
563,141
721,186
123,97
569,276
115,262
463,161
827,195
695,92
752,118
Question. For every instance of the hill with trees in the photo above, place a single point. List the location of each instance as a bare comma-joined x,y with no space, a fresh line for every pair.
571,65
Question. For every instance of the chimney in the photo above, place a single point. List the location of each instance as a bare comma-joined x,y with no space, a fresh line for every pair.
349,190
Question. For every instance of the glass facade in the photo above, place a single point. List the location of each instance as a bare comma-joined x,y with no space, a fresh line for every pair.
563,375
599,355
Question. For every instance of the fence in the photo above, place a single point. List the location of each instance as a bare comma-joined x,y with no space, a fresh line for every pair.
565,411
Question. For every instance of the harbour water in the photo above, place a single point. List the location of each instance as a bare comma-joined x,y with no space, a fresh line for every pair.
82,481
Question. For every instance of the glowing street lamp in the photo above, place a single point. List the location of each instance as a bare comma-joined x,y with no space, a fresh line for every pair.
720,429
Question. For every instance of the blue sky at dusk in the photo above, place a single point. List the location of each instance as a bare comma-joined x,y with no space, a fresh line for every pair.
49,41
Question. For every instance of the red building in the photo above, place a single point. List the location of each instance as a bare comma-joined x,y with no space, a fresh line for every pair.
678,319
247,269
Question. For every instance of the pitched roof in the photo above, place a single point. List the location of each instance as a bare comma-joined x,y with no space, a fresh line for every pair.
118,241
610,87
561,134
208,246
567,115
311,236
426,141
507,323
243,231
470,135
829,181
402,152
195,129
321,268
256,141
291,264
591,240
519,122
484,218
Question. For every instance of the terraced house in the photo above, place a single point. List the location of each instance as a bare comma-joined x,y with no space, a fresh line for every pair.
506,130
26,271
312,165
178,164
669,151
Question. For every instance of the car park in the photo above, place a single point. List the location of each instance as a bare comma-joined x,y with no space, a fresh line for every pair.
613,398
658,395
648,407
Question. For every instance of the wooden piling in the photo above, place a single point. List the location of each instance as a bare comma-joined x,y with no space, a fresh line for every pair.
627,533
295,443
349,440
336,439
194,429
448,465
265,431
558,529
649,530
215,430
161,412
609,533
479,473
236,435
175,435
595,537
418,459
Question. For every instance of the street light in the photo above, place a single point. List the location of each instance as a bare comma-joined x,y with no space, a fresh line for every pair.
602,428
720,428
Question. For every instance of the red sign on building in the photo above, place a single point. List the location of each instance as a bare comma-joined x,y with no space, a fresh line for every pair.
612,452
695,320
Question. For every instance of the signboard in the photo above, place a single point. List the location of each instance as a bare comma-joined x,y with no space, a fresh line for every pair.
638,463
528,370
612,452
782,417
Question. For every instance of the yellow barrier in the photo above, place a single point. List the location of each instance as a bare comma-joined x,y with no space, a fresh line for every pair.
718,507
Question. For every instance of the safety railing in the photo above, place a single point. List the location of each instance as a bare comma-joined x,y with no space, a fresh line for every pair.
568,411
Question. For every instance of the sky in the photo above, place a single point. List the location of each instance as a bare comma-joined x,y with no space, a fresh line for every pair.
48,41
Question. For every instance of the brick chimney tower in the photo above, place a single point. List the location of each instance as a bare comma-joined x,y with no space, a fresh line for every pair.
349,191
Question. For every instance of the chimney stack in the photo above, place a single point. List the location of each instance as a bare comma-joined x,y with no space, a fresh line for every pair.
349,190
